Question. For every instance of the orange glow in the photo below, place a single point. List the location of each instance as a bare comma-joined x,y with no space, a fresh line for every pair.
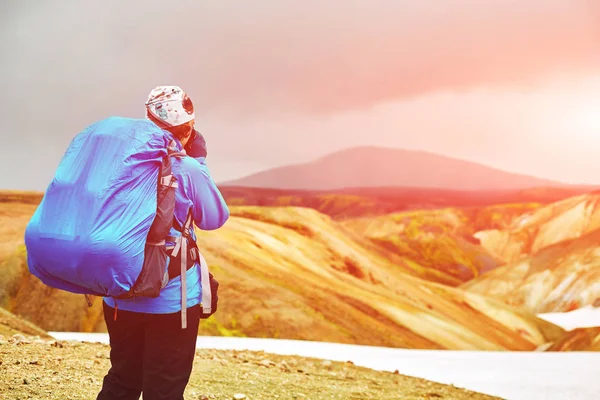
586,119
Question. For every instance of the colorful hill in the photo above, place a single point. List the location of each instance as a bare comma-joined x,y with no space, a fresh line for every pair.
553,256
582,339
440,241
368,202
365,202
557,222
378,166
295,273
11,324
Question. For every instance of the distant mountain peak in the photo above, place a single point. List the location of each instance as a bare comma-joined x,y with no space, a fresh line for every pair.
373,166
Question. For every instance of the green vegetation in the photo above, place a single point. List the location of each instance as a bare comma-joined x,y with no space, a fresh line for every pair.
440,243
212,327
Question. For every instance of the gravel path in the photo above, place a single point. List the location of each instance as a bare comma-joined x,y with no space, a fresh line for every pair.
33,368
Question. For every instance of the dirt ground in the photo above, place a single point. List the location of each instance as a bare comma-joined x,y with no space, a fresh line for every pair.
34,368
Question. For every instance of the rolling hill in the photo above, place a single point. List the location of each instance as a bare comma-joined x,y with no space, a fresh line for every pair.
581,339
376,201
381,167
364,202
392,280
440,241
11,325
289,272
552,255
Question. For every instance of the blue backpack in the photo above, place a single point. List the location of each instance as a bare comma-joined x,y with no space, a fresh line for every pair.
102,225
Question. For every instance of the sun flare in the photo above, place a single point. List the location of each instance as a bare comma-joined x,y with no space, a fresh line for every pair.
586,119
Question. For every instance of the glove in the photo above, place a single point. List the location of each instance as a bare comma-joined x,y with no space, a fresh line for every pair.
214,288
196,146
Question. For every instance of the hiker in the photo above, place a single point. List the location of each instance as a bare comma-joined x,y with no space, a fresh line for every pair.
150,352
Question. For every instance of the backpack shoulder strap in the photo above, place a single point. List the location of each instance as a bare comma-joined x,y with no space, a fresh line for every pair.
174,152
181,246
181,243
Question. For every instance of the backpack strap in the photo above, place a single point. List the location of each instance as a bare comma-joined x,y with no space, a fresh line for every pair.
205,283
181,245
186,247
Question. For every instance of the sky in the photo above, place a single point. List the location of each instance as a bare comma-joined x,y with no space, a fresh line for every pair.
511,84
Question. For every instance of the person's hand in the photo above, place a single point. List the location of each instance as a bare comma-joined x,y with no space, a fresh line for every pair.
214,289
196,147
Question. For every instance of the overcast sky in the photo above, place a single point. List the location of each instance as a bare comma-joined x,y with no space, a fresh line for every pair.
512,84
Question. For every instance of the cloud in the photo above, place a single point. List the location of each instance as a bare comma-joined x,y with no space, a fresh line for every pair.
292,56
264,73
367,53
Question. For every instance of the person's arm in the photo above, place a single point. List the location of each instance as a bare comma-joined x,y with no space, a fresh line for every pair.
196,147
209,208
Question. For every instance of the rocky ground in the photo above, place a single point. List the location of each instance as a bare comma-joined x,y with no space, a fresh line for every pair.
34,368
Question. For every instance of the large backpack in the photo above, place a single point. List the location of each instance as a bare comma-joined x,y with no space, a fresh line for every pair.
103,224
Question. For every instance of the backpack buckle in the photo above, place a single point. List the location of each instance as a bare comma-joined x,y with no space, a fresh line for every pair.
169,181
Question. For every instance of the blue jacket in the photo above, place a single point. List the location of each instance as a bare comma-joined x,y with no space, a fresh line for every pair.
198,192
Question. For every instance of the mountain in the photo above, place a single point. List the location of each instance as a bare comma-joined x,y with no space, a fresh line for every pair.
393,280
552,257
581,339
377,201
290,272
439,243
384,167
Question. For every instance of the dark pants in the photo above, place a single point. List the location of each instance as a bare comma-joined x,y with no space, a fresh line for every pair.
150,353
